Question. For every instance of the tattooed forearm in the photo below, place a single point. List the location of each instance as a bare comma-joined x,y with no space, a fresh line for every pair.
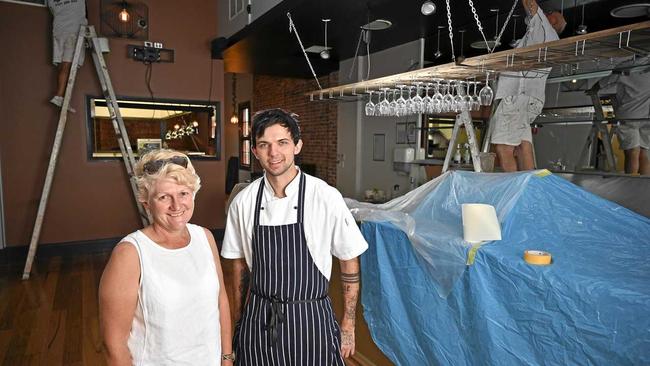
350,277
347,338
351,308
240,283
243,285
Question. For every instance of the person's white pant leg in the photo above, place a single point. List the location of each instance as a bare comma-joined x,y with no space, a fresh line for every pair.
512,121
63,49
629,135
644,135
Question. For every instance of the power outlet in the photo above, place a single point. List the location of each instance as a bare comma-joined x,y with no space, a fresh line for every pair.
151,52
151,44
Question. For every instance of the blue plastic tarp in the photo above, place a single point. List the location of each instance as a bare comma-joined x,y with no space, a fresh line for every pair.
589,307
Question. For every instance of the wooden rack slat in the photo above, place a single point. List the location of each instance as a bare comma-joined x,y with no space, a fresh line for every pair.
592,47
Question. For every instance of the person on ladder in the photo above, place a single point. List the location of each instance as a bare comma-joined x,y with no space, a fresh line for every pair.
69,16
284,229
633,102
520,95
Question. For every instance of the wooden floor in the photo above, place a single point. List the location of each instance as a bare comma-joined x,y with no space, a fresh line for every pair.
51,319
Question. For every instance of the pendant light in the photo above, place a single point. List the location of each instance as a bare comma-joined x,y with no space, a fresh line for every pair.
234,119
437,54
582,28
631,9
124,15
325,54
461,57
514,41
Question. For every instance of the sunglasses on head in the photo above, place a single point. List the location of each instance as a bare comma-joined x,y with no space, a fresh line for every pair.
154,166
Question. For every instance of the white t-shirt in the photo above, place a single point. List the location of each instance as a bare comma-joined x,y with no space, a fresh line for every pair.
69,15
632,90
330,228
531,83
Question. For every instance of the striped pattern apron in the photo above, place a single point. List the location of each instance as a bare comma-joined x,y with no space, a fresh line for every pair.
288,319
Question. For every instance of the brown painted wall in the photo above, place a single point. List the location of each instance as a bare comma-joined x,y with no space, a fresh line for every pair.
317,119
92,199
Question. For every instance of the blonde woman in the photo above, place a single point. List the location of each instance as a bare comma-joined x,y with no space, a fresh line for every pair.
162,299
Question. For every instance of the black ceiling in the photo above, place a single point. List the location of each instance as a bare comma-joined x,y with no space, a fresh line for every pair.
267,47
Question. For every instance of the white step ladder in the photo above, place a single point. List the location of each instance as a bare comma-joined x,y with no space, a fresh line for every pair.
86,33
588,155
464,118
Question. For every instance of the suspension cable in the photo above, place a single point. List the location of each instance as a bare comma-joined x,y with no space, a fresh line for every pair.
451,32
293,27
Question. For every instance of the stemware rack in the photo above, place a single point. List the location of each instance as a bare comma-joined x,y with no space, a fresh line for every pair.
599,47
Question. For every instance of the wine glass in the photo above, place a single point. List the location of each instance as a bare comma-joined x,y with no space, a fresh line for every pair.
476,101
448,99
427,101
384,105
437,97
370,106
401,102
410,108
457,104
377,105
393,103
418,106
467,98
486,94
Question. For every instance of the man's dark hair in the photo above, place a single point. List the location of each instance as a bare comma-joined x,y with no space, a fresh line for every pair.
275,116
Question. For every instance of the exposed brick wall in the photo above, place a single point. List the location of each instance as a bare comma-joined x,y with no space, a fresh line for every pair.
105,139
317,118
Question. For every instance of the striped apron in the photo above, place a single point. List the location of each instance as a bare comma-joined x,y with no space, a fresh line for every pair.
288,319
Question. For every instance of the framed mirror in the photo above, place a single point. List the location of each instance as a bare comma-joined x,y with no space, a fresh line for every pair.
193,127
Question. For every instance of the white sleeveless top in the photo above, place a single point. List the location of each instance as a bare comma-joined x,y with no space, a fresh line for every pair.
176,320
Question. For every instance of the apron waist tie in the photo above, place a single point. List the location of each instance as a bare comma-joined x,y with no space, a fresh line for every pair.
276,315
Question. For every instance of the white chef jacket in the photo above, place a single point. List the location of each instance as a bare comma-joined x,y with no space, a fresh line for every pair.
329,226
530,83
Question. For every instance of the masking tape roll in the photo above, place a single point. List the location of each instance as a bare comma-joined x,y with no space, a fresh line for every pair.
537,257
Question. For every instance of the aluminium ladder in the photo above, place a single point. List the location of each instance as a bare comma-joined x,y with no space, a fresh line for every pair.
588,155
86,34
463,119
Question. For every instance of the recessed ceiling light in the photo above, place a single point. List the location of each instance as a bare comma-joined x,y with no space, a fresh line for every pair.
428,7
631,10
378,24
